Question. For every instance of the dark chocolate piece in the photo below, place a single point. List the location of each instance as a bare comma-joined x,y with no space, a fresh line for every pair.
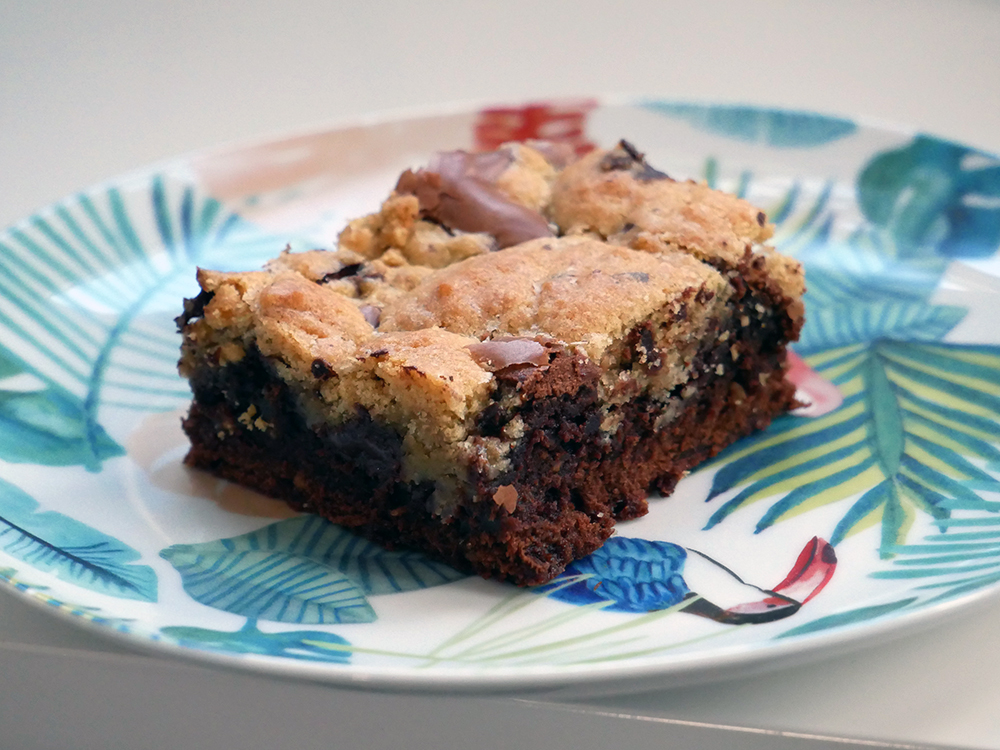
346,271
193,308
458,192
626,158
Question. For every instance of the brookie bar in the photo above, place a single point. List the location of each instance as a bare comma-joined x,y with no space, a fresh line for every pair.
500,363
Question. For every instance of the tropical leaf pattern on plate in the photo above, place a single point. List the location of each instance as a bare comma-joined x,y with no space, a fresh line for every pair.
774,127
963,557
309,645
626,575
70,550
932,193
42,424
904,436
77,284
302,570
919,428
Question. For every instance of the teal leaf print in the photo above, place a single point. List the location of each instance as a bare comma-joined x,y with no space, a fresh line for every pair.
772,127
71,550
302,570
47,426
859,322
934,194
309,645
915,416
961,558
78,283
851,617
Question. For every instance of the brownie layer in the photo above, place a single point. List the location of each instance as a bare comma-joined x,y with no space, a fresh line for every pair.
572,478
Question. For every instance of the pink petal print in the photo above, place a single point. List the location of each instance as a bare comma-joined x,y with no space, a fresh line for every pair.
812,571
819,395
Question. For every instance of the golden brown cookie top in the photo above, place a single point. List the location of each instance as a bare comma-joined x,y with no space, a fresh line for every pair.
617,195
577,290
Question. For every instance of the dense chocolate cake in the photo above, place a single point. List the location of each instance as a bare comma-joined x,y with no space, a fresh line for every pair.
501,362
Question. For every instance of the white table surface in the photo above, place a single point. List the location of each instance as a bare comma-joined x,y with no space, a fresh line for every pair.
91,90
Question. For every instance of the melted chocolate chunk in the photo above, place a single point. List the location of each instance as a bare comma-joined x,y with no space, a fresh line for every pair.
499,354
626,158
346,271
372,314
457,191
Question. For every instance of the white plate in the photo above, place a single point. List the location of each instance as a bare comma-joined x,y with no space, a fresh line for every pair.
100,520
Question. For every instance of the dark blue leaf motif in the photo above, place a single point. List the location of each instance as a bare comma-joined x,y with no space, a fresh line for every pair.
934,194
310,645
773,127
71,550
302,570
631,575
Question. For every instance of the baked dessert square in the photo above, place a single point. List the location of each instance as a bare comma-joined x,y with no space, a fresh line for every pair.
503,361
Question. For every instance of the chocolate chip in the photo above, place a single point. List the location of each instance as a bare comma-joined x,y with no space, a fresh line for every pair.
193,308
761,218
642,349
372,314
345,271
498,354
704,296
629,149
650,174
614,162
626,157
321,370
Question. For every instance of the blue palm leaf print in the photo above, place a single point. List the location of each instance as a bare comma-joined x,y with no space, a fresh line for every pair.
302,570
773,127
932,196
70,550
308,645
79,286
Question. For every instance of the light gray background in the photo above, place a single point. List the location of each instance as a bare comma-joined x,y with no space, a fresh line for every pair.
89,90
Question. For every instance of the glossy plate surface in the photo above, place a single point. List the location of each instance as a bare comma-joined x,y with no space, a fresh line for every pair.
876,508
